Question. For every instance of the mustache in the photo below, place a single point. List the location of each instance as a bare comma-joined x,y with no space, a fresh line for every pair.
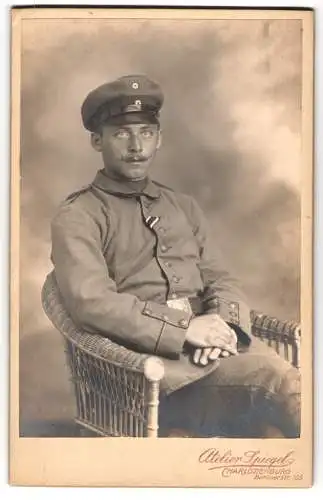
135,158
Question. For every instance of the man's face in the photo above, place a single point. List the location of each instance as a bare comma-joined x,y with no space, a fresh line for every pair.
127,150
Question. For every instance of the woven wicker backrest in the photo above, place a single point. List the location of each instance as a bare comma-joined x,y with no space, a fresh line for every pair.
283,336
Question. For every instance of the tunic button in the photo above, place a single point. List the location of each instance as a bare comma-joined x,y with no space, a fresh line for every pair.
176,279
164,317
183,322
163,248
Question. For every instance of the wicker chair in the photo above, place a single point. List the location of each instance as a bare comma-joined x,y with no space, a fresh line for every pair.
117,390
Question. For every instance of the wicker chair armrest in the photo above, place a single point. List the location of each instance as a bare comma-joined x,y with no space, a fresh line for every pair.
93,344
273,328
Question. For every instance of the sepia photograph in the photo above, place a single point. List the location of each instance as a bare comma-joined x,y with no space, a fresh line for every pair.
161,176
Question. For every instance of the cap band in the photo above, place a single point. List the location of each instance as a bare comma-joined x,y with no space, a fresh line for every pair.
125,115
129,118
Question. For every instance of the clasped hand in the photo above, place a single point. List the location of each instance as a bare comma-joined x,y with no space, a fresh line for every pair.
212,338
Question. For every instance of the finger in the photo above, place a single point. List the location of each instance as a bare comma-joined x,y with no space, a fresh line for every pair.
223,345
234,340
225,354
220,321
223,330
214,354
230,332
231,349
197,355
234,336
217,336
205,355
220,337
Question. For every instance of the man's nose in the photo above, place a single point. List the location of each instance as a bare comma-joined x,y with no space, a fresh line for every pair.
135,144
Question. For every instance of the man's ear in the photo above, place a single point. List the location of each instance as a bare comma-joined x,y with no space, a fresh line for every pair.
159,139
96,141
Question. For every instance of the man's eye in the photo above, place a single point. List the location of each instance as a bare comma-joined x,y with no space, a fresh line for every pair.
147,133
121,134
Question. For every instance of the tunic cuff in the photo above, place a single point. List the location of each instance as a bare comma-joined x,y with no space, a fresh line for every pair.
174,324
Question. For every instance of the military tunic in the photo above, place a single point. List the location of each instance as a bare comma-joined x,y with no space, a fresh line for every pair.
119,255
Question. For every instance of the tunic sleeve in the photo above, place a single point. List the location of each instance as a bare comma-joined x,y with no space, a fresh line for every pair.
91,297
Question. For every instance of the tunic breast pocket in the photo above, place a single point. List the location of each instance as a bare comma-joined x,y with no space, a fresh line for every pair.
134,249
179,236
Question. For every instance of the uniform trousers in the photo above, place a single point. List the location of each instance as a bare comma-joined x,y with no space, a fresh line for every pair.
243,395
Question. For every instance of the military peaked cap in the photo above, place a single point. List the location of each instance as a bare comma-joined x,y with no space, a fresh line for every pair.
132,96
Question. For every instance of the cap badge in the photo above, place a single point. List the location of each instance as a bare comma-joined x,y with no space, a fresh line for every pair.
135,85
136,106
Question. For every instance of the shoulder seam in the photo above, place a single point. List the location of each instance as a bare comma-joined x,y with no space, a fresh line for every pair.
163,185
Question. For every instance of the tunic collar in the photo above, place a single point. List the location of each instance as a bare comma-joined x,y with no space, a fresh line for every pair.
124,188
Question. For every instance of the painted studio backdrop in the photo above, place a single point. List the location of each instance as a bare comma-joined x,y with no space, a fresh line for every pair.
231,138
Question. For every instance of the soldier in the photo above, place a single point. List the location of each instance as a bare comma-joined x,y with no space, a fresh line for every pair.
133,262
